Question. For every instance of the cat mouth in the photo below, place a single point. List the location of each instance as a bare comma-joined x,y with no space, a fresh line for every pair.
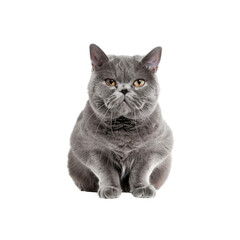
125,102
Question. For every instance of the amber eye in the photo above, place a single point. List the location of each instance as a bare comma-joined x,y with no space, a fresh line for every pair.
139,83
110,82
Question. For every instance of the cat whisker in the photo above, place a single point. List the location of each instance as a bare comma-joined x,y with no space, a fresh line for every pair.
111,125
136,102
91,117
99,125
113,102
144,118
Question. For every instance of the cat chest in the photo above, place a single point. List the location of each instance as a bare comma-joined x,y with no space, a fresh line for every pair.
123,143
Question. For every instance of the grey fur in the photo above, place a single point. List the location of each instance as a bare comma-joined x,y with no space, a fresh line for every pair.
119,145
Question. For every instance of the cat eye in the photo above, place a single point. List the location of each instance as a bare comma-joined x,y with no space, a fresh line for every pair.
139,83
110,82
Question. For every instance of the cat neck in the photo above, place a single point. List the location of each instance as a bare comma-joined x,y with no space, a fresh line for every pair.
129,124
123,123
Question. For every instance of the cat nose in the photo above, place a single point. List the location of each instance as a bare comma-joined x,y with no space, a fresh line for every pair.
124,91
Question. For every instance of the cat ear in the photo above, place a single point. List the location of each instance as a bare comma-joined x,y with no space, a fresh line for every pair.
152,59
98,57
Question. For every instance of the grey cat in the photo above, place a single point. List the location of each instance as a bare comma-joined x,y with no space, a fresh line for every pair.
120,141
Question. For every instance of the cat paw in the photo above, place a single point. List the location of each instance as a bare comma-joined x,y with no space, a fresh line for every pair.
109,192
144,192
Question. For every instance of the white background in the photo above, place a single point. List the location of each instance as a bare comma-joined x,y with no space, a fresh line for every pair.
44,72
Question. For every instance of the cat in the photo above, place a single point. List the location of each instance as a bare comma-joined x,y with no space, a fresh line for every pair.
120,142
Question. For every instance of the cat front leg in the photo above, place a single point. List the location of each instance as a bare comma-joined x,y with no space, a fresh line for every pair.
142,168
109,182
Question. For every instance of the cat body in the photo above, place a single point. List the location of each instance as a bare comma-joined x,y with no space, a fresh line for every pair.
120,141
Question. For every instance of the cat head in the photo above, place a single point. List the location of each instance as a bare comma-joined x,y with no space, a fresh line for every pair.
123,85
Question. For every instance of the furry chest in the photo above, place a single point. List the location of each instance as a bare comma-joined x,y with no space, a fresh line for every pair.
123,143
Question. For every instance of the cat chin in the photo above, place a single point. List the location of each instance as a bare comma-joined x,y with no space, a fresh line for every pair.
124,109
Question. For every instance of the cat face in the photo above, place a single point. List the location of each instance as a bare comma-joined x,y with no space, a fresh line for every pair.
122,85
